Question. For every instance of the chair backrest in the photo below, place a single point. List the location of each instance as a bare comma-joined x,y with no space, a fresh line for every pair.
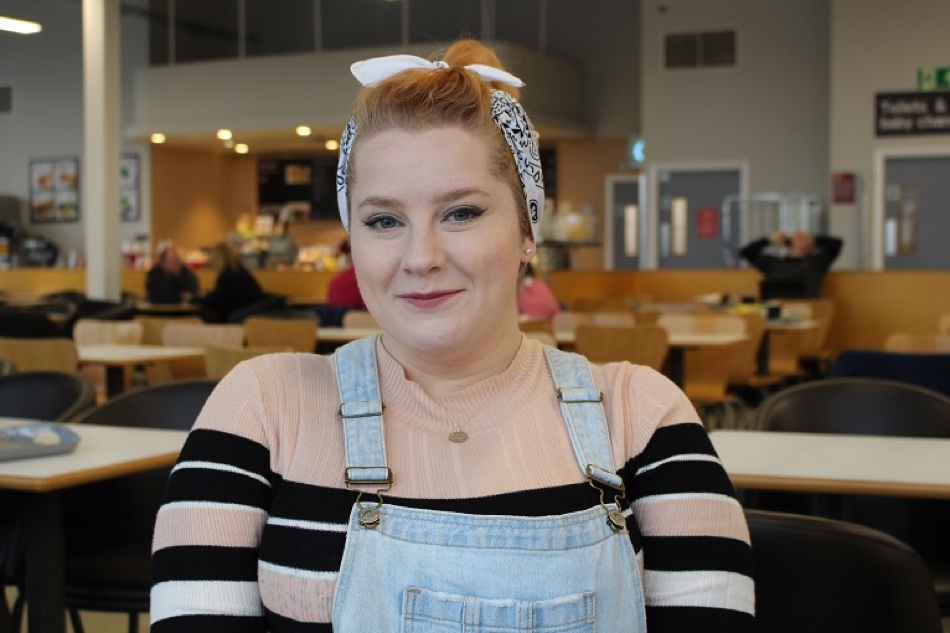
824,576
745,364
821,310
925,370
220,359
152,327
121,511
15,323
171,405
906,342
300,334
641,344
535,325
359,319
41,354
544,336
858,406
202,334
943,324
44,395
94,331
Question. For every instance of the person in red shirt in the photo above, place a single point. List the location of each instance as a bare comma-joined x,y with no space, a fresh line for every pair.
343,289
535,299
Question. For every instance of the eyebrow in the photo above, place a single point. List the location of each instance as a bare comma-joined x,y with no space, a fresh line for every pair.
443,198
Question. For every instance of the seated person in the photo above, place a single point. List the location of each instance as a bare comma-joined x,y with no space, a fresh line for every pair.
343,290
234,287
799,259
169,280
535,299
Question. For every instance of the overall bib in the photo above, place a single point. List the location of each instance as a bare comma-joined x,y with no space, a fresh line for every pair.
407,570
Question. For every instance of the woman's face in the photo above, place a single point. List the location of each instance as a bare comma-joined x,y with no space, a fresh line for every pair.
435,240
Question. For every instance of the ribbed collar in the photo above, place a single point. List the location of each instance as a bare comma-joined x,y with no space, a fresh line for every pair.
485,404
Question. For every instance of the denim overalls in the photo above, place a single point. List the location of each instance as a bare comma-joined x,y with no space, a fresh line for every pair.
407,570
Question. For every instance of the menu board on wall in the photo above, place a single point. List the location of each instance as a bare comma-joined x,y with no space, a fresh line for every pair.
297,189
54,190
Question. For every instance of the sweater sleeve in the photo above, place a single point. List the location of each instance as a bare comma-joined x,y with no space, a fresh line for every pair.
208,529
752,252
695,542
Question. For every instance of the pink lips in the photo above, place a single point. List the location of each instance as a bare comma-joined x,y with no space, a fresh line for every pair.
428,299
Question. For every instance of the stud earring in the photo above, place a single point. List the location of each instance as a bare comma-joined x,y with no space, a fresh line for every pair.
527,251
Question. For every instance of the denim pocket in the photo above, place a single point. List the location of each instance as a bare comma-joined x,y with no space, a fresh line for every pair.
425,611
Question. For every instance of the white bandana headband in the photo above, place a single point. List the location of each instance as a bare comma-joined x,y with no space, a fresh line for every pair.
505,110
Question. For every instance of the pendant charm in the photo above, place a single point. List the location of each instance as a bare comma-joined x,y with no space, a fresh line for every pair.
458,436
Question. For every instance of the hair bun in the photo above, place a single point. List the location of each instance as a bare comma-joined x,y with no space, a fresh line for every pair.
465,52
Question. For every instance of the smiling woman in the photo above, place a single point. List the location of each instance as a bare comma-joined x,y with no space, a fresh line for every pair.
511,480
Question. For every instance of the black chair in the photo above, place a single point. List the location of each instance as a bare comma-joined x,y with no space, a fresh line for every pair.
18,323
870,406
45,395
926,370
269,303
825,576
39,395
108,564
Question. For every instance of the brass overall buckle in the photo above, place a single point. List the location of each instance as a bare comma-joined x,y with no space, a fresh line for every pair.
369,513
615,518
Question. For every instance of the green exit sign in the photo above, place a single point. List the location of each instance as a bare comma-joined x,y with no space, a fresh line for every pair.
933,78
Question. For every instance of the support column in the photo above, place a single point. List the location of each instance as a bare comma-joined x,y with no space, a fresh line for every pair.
102,122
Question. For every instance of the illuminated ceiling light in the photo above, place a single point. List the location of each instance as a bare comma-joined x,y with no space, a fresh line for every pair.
224,134
158,138
19,26
241,148
332,145
303,130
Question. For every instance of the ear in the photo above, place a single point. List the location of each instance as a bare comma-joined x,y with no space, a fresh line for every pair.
528,250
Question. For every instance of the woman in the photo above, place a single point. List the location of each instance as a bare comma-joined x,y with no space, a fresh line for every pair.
234,287
535,299
502,494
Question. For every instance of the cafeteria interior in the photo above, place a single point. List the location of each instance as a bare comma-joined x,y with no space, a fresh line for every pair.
672,133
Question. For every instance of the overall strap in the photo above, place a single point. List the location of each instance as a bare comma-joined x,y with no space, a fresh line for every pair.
361,410
583,410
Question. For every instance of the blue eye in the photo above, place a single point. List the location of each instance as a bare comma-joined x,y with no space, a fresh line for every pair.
463,214
382,223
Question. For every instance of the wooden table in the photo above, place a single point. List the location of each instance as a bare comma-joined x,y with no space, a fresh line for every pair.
104,452
167,309
118,359
835,464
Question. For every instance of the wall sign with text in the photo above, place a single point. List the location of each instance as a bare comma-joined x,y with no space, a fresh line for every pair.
912,113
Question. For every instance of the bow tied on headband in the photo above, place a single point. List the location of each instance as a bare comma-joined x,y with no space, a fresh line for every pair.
372,71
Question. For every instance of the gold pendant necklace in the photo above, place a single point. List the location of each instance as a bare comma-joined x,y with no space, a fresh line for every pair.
458,435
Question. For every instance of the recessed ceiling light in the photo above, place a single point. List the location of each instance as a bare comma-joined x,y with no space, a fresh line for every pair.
332,145
224,134
157,138
241,148
23,27
303,130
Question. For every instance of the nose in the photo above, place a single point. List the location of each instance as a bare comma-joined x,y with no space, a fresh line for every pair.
425,251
